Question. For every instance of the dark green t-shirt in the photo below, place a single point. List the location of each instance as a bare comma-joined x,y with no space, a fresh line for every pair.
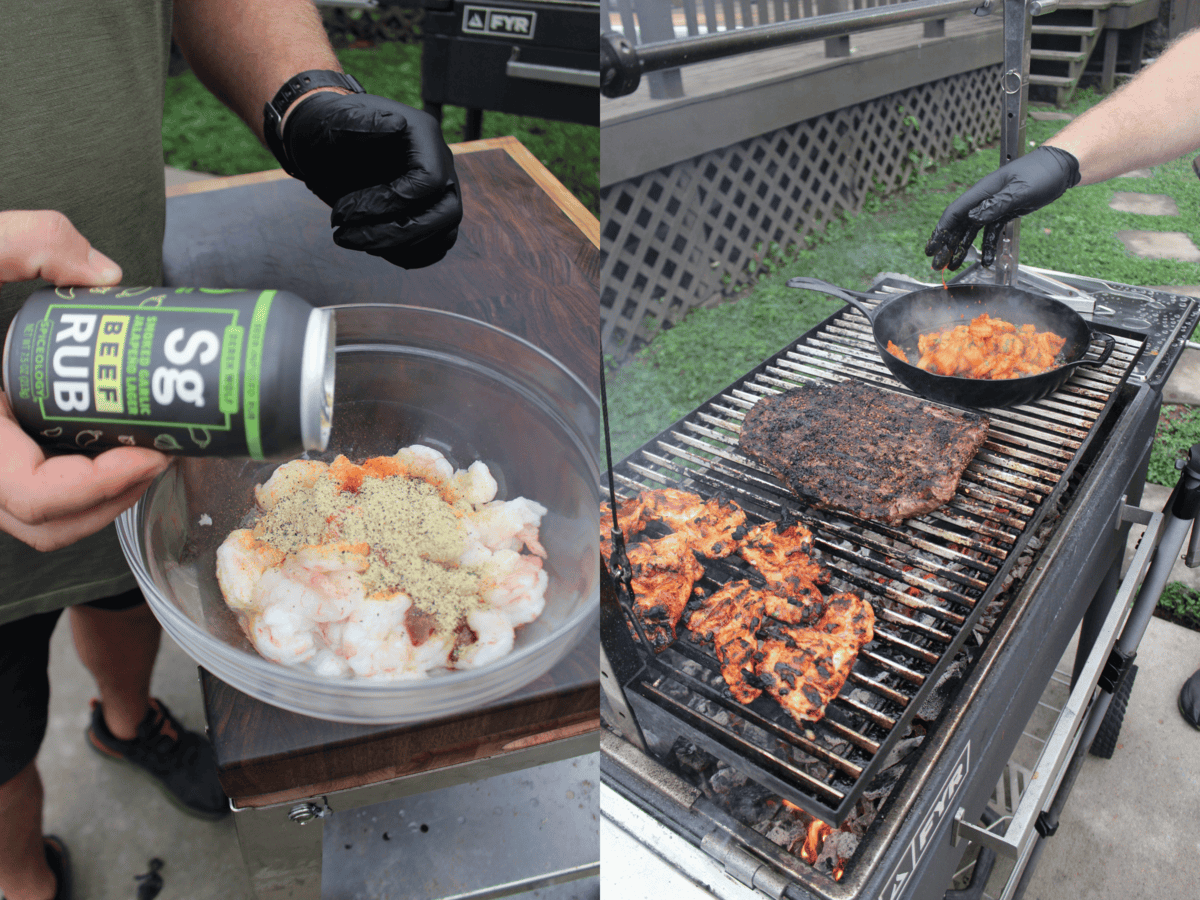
81,108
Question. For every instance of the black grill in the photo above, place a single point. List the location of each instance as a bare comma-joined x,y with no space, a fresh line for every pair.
525,57
934,581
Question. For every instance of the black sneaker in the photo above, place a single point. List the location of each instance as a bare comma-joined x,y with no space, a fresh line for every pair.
59,862
1189,701
181,762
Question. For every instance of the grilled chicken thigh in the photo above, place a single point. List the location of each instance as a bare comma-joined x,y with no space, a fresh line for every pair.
807,668
664,572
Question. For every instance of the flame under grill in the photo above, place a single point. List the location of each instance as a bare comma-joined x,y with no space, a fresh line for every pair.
930,579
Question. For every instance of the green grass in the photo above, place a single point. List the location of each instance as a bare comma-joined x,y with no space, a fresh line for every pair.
1178,429
711,348
1182,603
201,134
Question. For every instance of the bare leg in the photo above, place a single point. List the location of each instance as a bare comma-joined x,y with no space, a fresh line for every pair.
24,874
119,649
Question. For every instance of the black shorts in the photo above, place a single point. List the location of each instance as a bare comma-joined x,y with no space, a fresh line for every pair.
25,681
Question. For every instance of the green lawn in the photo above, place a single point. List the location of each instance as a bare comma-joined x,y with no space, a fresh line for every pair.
1075,234
202,135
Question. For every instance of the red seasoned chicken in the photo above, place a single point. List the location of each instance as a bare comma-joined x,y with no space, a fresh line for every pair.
712,526
731,619
664,572
781,554
807,669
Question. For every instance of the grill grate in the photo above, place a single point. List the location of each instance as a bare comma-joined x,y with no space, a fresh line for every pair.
929,579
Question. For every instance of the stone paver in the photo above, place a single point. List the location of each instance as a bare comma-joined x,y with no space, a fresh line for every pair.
1160,245
1144,204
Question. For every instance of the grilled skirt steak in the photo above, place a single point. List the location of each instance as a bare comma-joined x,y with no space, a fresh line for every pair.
865,450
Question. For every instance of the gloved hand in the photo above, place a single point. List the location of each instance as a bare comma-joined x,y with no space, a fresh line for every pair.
386,171
1015,189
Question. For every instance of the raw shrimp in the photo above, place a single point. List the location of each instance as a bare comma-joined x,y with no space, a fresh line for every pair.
425,463
290,601
495,639
287,479
508,525
432,653
331,571
282,635
309,605
241,561
374,639
474,484
517,586
329,664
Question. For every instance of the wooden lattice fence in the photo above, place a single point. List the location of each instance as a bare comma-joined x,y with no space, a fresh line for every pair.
684,235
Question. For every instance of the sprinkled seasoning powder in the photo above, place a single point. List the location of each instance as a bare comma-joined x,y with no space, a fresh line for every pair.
416,538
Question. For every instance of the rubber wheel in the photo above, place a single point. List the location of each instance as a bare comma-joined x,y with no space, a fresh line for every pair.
1105,741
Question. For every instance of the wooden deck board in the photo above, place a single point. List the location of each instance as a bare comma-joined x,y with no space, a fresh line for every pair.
729,100
750,69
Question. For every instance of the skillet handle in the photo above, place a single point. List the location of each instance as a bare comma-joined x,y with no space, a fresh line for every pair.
1109,343
824,287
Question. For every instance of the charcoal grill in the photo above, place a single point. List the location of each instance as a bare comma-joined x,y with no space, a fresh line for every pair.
525,57
975,604
931,579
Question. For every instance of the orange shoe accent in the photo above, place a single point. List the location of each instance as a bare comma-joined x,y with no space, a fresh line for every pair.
101,746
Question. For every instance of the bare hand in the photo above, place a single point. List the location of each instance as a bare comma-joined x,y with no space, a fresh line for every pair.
50,503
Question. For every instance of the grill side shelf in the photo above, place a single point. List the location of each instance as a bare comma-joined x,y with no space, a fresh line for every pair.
698,453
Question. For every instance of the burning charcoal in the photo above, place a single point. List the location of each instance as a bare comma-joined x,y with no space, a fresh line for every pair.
942,691
901,750
757,736
838,846
691,759
744,799
784,835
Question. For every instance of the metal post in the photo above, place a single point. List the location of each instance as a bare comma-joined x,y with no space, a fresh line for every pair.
839,46
655,24
1014,84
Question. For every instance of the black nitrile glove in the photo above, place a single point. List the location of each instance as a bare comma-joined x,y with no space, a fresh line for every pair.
1015,189
386,171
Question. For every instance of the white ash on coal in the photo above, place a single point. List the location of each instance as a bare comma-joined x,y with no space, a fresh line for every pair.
826,849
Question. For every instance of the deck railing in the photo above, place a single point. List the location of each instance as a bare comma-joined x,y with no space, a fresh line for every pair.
663,22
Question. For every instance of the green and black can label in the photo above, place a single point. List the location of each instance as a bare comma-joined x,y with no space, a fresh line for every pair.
191,371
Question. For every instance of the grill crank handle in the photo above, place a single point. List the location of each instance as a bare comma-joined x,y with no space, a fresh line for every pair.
1185,502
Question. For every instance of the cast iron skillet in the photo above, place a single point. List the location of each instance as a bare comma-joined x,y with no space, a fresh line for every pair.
903,318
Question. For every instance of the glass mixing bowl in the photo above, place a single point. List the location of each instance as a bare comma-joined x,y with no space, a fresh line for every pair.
404,376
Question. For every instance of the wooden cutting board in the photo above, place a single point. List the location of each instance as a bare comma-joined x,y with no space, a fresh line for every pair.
527,261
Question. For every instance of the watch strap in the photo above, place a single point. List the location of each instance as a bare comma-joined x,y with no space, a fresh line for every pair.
293,89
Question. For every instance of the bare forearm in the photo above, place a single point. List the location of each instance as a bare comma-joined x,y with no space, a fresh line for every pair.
1154,118
244,50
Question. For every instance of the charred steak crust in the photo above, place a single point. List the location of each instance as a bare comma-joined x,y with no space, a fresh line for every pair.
871,452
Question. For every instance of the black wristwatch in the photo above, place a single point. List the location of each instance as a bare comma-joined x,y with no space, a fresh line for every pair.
292,89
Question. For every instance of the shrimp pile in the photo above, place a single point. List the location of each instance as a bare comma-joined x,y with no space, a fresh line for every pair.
384,570
987,348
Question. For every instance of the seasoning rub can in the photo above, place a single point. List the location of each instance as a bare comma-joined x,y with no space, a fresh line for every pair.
191,371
